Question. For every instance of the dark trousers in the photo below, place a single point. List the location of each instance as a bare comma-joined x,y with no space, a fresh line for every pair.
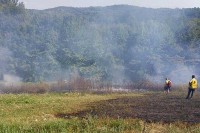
190,93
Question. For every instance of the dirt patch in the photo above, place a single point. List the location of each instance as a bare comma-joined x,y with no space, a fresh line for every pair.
155,107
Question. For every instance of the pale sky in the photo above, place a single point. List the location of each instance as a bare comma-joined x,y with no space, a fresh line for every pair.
44,4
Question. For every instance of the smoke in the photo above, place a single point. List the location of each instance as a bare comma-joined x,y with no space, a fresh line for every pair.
182,75
116,43
5,74
5,54
11,78
124,43
128,46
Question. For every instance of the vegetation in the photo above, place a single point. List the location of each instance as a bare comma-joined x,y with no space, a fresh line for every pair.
12,7
82,52
83,112
97,43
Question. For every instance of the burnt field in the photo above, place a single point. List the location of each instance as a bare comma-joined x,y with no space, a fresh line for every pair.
150,107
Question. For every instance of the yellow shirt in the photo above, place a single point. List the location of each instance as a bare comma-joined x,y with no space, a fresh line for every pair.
193,83
167,82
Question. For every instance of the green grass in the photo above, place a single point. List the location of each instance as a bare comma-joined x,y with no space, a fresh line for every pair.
35,108
33,113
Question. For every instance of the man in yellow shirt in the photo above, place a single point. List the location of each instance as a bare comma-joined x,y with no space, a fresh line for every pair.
193,85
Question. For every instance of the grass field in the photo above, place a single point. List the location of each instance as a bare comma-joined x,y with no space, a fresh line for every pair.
149,112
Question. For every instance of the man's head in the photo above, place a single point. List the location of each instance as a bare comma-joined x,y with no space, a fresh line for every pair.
166,78
193,76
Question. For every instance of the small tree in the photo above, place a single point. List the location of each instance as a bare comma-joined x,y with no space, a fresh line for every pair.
12,6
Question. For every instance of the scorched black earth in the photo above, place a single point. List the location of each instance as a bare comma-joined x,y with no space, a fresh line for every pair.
152,107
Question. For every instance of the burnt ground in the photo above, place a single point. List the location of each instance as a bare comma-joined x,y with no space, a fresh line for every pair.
156,107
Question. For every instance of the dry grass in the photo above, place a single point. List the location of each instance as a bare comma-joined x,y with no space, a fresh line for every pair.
84,86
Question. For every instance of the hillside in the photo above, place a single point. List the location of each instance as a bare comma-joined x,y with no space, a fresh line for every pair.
114,44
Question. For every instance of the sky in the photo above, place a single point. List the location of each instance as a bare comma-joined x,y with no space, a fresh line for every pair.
45,4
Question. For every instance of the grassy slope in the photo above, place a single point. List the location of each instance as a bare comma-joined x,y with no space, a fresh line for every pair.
37,113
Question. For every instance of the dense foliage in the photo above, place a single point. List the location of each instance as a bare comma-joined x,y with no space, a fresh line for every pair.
117,43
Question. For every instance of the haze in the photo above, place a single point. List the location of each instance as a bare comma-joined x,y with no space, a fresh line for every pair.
45,4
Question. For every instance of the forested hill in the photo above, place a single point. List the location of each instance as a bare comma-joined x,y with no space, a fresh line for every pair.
117,43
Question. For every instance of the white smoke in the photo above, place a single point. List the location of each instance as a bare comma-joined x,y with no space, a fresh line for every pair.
11,78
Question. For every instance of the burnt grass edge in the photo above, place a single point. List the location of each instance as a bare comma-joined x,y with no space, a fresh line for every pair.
155,107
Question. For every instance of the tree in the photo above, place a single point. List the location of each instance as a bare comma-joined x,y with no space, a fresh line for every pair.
12,7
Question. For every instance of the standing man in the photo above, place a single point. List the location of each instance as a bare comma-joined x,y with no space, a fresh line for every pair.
167,86
193,84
